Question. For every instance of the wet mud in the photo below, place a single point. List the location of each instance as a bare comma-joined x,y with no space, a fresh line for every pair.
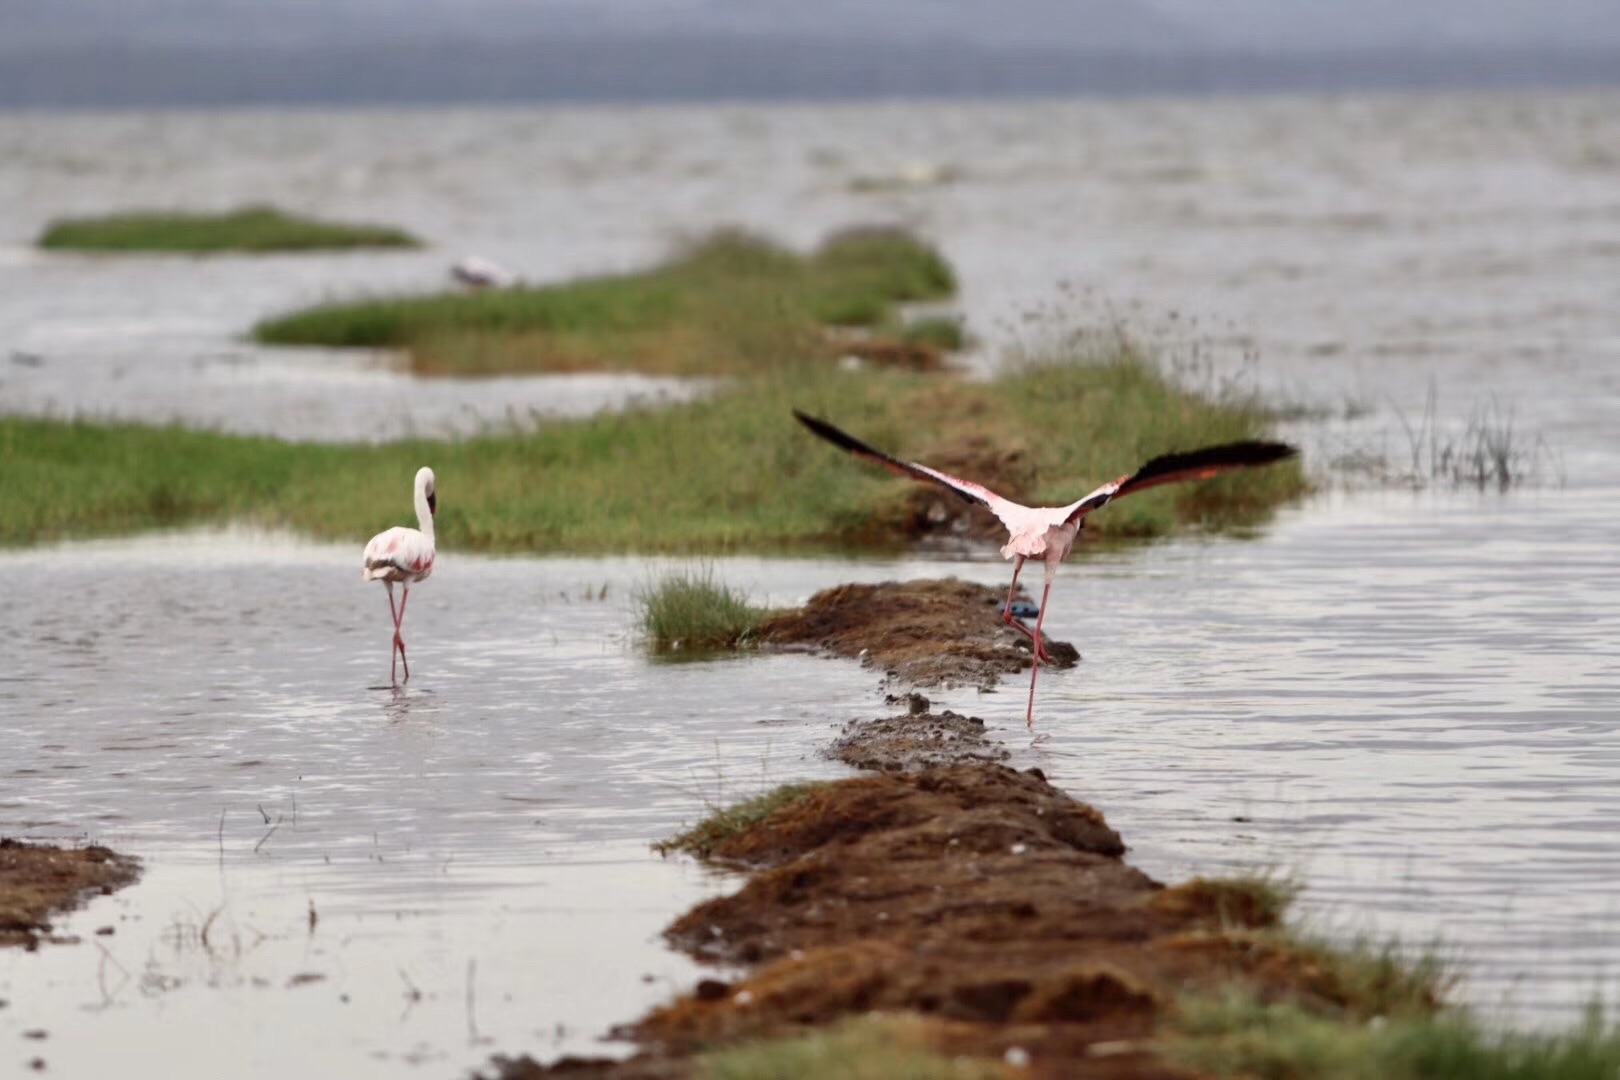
915,739
925,633
38,880
892,353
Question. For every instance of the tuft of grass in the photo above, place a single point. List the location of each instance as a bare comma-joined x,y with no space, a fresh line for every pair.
1361,1010
1485,452
723,474
726,822
729,303
1242,1036
865,1048
689,611
251,228
1257,899
1365,977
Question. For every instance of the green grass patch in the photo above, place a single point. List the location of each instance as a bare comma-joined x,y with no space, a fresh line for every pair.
251,228
866,1048
689,612
725,474
1242,1036
730,303
1364,1010
943,332
726,822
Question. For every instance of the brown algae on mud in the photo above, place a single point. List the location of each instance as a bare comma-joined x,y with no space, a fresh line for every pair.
37,880
925,633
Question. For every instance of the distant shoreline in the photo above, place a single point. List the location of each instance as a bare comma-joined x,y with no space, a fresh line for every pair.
736,69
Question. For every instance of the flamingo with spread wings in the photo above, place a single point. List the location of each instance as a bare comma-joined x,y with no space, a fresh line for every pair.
1048,532
406,556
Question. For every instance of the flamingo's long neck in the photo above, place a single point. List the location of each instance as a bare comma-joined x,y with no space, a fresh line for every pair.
424,515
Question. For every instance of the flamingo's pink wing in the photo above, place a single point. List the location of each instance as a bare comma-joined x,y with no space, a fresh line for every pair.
1005,509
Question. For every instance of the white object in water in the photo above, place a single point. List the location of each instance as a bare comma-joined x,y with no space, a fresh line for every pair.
481,273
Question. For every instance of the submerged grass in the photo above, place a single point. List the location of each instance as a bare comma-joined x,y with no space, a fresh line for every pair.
865,1048
730,303
251,228
725,822
728,473
690,612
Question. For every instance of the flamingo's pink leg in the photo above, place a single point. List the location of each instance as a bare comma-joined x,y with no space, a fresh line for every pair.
1006,612
404,599
393,665
1035,668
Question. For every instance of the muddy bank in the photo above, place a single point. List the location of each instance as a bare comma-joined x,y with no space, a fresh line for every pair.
986,904
979,897
37,880
926,633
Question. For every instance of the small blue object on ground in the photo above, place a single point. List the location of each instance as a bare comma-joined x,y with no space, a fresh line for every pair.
1023,609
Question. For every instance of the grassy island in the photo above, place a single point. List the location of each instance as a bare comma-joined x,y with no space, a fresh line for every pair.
249,229
730,303
727,473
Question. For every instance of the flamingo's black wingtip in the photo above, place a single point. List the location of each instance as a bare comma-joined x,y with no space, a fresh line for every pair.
842,440
1266,452
1237,455
1197,464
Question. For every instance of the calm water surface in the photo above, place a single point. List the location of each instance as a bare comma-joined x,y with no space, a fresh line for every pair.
1412,701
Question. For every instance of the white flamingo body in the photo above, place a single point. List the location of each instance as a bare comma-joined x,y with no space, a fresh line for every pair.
1044,532
399,554
404,556
1048,532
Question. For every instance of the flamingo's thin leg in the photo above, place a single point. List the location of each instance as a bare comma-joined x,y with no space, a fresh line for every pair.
1018,564
393,665
1006,612
1035,667
404,599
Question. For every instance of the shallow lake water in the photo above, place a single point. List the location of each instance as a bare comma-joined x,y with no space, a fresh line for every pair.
1411,701
1407,702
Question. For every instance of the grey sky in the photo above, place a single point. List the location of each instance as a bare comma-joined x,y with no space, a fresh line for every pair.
137,53
1171,25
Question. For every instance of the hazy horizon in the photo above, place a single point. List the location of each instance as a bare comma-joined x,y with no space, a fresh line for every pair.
229,52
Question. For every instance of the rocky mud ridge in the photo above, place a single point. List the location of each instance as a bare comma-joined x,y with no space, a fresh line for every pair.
924,633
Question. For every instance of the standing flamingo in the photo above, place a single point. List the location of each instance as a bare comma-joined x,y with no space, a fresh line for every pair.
404,555
1049,531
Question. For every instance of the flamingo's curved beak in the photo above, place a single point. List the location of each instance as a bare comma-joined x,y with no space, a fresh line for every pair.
433,503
